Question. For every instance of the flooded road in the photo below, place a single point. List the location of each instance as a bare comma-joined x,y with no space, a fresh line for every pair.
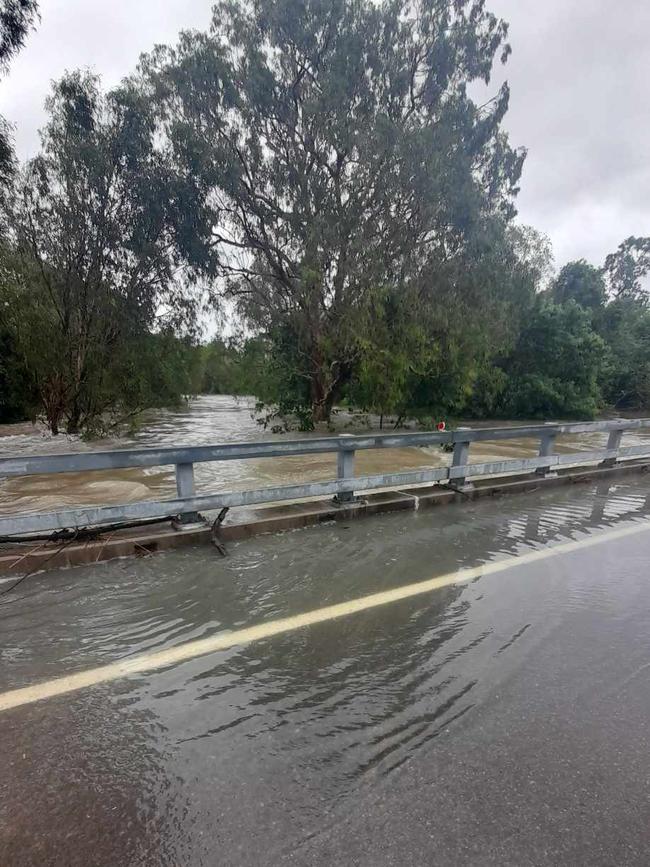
500,722
224,419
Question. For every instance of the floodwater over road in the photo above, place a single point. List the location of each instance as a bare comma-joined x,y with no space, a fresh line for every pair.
504,721
223,419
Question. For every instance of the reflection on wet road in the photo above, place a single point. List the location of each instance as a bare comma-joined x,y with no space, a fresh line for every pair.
501,722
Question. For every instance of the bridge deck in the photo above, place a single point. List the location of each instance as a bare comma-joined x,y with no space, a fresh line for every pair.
499,719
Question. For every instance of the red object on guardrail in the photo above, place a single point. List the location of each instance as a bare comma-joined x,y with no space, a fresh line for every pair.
441,425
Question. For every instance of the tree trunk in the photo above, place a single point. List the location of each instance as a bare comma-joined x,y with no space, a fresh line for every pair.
53,400
327,381
74,416
321,408
321,394
74,421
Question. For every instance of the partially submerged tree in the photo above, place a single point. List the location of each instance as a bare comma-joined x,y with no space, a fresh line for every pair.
335,152
91,266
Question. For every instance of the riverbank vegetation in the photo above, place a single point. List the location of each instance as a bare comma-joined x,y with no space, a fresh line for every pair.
320,171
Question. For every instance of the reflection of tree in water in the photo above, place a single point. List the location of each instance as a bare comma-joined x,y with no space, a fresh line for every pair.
601,505
84,783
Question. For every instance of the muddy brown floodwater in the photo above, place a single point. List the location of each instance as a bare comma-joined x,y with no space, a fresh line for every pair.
219,419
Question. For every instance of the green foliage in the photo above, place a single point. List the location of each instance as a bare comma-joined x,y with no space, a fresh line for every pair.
17,17
554,368
284,390
390,349
153,371
580,282
230,367
89,270
626,269
580,352
17,401
489,394
625,326
427,348
335,154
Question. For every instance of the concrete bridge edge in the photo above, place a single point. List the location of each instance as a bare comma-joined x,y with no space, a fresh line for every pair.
19,559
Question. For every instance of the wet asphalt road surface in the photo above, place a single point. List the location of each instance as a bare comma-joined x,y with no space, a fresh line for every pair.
502,722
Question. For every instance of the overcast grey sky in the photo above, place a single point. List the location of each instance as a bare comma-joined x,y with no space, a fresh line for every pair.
578,74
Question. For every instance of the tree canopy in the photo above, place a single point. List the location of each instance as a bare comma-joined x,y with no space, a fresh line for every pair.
580,282
17,17
335,152
626,269
91,263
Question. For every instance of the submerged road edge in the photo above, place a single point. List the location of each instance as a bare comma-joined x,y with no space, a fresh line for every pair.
292,516
222,641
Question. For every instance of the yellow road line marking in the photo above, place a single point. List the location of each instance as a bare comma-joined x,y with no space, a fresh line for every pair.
190,650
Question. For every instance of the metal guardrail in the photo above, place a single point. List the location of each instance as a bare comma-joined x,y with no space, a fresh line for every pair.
187,504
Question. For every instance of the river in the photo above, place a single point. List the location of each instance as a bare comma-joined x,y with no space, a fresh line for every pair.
222,419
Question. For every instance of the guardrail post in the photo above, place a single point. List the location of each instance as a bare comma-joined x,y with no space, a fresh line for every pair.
613,442
460,459
185,488
345,470
546,449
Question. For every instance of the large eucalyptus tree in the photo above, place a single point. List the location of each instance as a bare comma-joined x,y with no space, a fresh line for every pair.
334,148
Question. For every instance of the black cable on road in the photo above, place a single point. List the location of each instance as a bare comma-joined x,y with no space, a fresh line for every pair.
67,537
37,568
84,532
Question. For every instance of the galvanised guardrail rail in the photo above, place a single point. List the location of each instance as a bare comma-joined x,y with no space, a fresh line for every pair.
187,504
